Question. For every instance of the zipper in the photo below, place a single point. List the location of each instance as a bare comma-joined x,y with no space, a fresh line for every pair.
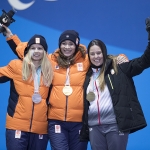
110,82
131,112
98,103
31,116
66,107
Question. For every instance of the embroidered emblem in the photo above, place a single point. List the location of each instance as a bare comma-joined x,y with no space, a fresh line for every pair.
80,66
90,129
37,40
56,67
121,133
18,134
77,41
112,71
57,129
40,136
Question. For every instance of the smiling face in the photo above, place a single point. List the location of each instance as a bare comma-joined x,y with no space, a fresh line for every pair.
36,51
96,55
67,48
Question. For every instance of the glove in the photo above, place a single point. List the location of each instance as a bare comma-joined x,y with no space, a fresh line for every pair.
147,22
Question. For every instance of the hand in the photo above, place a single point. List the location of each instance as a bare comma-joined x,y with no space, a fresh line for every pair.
122,59
147,22
7,32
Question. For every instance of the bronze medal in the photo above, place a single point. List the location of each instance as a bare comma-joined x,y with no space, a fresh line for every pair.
67,90
90,96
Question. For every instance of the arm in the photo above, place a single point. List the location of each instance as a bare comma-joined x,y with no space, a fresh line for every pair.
14,43
137,65
4,79
7,72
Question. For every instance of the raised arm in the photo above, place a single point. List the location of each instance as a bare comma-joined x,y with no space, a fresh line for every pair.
7,72
4,79
15,43
137,65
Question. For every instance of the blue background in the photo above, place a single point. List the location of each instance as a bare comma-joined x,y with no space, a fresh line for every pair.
120,24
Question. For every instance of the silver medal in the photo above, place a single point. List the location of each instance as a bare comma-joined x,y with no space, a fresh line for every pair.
36,98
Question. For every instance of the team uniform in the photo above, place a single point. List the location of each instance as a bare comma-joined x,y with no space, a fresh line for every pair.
25,120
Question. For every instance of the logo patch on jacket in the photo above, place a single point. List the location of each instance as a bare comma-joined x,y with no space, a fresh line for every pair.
112,71
56,67
80,66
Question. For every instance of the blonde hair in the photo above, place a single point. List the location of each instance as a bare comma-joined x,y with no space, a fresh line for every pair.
28,69
101,76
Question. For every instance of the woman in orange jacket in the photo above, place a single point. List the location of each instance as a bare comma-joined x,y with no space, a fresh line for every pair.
26,121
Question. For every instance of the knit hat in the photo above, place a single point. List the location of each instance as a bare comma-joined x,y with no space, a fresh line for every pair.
36,39
71,35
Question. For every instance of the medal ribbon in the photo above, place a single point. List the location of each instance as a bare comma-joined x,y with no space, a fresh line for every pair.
67,77
37,80
94,77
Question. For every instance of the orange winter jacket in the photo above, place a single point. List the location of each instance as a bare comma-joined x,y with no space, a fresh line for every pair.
68,108
22,113
64,108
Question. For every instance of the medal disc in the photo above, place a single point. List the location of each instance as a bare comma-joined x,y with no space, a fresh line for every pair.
36,98
67,90
90,96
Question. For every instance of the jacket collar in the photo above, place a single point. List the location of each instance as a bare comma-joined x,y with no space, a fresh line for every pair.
108,64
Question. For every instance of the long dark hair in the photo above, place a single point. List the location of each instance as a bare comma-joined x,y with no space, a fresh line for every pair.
102,46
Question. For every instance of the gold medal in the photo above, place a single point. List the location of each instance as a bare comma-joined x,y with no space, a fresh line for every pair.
90,96
67,90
